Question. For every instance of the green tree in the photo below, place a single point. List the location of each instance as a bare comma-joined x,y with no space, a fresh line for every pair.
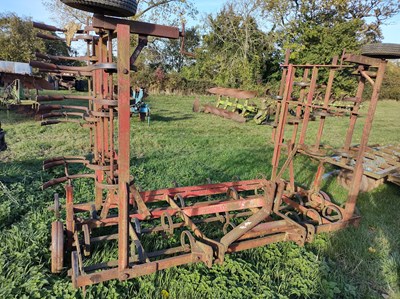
316,30
390,87
235,51
18,41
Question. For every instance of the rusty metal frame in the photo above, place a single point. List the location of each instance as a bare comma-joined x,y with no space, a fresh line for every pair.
249,213
297,143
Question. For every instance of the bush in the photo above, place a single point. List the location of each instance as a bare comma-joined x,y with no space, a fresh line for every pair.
391,87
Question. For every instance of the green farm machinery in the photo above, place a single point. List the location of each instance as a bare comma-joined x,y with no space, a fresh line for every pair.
14,94
237,105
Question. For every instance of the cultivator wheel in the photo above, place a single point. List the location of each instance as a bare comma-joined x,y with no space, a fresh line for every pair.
345,178
57,246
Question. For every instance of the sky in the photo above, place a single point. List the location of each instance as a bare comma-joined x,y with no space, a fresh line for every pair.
36,10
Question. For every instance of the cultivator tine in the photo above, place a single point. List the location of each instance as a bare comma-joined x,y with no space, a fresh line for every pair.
86,240
46,27
58,121
198,249
63,163
137,198
218,247
55,67
60,107
174,184
167,224
64,58
50,98
66,179
62,98
179,197
49,37
137,246
65,114
79,253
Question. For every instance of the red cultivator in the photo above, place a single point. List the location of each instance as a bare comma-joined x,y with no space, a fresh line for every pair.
242,214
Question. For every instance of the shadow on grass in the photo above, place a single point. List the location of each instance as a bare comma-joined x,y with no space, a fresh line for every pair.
162,118
369,256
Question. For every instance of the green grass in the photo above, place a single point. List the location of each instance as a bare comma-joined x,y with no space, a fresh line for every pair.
180,146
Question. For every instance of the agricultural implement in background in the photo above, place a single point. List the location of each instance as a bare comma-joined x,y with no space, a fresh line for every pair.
242,214
138,106
20,87
13,94
235,104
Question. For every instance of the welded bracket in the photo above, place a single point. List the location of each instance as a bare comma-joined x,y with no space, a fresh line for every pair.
299,236
200,250
137,245
135,197
218,247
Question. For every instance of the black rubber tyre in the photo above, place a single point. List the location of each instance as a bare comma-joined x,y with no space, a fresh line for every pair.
384,51
118,8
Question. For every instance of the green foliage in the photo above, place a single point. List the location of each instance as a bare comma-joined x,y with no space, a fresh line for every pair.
390,88
157,81
234,50
18,41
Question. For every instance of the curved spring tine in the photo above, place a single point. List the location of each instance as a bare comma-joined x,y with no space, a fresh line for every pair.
169,228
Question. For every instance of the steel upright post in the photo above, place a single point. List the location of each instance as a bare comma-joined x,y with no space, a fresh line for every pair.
123,35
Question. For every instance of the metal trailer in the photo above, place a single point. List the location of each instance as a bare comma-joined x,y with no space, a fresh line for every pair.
264,210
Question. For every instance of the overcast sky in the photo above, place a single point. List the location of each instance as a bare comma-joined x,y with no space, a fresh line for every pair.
36,10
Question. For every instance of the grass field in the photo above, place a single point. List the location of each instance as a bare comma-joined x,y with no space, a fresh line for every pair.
180,146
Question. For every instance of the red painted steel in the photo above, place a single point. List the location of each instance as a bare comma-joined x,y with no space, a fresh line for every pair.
123,142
